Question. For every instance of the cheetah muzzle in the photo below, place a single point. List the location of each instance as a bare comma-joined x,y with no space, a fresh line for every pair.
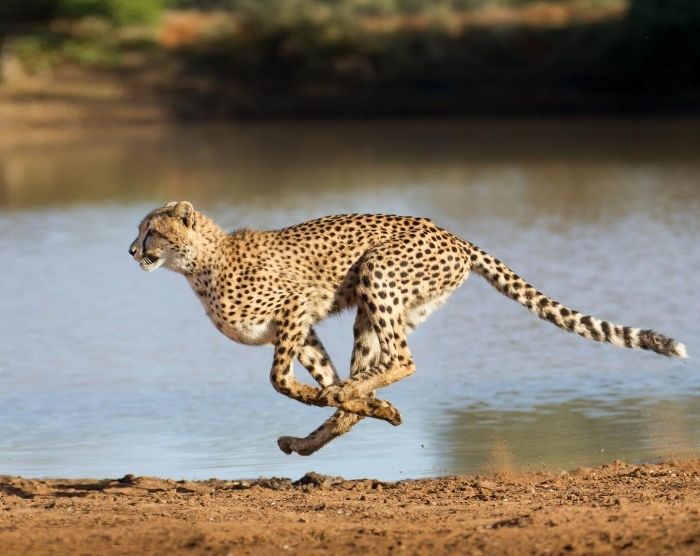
151,262
272,287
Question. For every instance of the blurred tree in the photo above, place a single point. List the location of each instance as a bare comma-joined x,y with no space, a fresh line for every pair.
17,15
202,4
662,43
76,9
121,12
663,16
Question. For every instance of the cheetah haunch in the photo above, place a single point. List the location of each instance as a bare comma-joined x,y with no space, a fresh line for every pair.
272,287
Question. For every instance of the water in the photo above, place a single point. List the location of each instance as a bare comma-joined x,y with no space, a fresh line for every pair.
107,370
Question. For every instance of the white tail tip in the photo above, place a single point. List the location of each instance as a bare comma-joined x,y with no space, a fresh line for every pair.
681,351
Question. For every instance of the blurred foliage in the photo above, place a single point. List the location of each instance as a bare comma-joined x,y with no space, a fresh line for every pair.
21,11
84,45
666,15
121,12
383,56
86,32
372,7
417,56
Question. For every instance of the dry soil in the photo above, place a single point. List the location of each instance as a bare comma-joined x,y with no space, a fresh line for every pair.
616,508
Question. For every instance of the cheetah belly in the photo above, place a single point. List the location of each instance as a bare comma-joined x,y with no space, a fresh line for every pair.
416,315
248,333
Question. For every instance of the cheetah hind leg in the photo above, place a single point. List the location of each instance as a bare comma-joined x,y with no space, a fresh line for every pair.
365,355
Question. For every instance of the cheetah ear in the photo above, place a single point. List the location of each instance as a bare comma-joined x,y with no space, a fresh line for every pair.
184,210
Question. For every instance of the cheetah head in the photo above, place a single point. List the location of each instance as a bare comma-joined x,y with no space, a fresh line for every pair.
167,238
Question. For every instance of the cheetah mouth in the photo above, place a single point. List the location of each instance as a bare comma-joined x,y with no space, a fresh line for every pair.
151,262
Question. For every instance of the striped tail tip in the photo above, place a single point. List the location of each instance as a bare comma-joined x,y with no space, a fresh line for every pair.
653,341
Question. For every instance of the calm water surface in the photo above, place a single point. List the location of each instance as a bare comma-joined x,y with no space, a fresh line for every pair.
107,370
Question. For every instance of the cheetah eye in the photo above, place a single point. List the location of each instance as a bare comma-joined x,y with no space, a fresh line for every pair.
155,234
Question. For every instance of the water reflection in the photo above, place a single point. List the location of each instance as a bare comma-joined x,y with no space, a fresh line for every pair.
578,169
573,433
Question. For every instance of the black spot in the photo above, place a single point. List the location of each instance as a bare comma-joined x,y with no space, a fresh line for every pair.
551,317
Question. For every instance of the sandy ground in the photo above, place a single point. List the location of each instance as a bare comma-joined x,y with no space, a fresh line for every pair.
635,509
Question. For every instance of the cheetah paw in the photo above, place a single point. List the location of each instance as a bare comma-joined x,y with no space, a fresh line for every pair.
388,413
291,444
339,393
372,407
286,444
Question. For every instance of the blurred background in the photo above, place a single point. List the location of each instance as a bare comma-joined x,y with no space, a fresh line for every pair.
560,135
291,58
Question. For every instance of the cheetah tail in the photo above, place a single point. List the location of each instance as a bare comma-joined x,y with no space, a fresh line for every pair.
511,285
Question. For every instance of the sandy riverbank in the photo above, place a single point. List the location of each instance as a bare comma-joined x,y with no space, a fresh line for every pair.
635,509
71,103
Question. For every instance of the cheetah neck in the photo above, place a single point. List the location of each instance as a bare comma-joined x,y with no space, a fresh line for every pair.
211,240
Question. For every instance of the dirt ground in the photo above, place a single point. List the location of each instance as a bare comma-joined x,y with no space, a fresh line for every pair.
635,509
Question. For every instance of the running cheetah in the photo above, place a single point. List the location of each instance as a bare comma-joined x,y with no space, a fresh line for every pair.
272,287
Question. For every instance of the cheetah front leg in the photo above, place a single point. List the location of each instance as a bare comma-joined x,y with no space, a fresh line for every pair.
365,355
292,333
313,356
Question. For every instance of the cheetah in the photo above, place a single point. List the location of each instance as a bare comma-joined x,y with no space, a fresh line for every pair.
272,287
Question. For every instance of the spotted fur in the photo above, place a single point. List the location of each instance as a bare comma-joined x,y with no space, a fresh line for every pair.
272,287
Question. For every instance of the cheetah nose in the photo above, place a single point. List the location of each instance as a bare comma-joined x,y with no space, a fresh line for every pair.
132,250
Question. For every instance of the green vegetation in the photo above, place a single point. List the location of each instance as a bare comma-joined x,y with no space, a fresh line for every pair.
380,57
121,12
44,33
